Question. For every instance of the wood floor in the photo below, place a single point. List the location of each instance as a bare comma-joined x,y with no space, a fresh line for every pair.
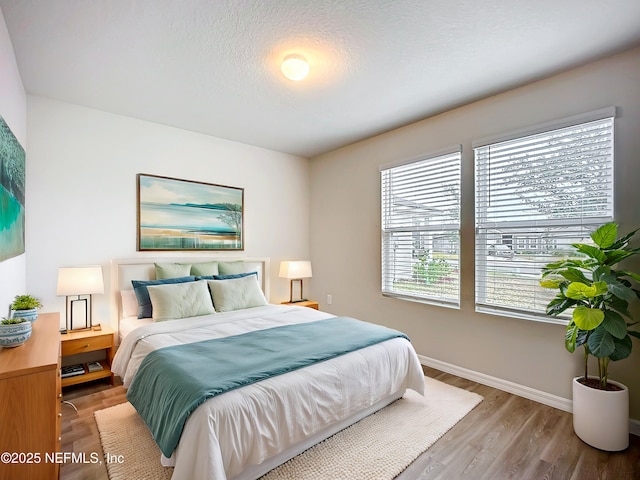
505,437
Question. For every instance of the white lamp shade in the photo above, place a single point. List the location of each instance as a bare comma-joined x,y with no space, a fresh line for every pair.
80,280
295,269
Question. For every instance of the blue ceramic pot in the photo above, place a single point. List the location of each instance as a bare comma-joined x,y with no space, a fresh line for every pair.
30,314
15,334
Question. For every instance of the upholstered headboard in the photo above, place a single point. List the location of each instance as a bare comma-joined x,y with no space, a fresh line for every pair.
123,270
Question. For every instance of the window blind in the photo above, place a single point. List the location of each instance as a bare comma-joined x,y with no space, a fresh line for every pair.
420,229
535,196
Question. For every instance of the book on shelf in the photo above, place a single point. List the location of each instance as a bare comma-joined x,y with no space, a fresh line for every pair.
72,370
94,366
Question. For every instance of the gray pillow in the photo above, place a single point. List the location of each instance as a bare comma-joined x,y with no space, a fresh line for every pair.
172,270
236,293
180,300
230,268
204,268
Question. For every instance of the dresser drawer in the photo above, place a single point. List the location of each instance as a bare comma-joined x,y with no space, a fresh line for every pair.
81,345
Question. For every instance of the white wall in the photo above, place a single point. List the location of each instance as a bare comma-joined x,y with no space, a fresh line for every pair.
82,192
345,227
13,108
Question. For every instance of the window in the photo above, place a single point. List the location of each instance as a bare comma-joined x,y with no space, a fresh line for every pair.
421,229
545,190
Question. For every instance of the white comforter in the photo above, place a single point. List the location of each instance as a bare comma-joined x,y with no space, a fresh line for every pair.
245,432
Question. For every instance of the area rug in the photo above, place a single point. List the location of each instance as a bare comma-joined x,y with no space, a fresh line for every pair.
378,447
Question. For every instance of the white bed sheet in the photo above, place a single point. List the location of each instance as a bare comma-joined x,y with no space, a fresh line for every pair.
238,434
129,324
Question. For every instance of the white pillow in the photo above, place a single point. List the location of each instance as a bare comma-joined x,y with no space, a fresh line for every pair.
129,303
180,300
236,293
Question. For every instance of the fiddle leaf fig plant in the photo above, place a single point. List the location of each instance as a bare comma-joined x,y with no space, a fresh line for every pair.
599,295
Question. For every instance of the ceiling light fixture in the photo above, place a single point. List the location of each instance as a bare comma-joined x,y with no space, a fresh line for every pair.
295,67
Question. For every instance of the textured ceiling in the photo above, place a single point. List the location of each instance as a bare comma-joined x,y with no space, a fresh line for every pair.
212,66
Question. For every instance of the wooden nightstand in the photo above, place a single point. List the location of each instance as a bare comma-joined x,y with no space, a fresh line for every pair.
74,343
306,303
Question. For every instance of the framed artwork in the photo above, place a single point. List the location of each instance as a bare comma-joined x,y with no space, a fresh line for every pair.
175,214
12,212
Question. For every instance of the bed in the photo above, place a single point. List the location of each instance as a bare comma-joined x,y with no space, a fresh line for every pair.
254,424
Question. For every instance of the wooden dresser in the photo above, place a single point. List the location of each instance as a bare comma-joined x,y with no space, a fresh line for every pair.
30,401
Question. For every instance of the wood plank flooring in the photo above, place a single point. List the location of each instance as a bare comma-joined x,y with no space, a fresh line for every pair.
505,437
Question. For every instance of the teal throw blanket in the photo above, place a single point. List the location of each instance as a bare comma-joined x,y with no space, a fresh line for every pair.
172,381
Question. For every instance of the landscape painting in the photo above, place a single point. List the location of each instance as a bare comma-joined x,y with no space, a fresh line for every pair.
12,173
175,214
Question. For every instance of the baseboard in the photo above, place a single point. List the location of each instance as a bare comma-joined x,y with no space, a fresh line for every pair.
539,396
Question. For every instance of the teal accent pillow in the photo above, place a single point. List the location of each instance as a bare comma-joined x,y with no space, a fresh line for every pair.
204,268
180,300
145,309
230,268
172,270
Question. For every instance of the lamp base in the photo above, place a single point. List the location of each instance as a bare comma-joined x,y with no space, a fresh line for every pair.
299,300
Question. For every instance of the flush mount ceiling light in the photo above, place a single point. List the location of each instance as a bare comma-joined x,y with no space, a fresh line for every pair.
295,67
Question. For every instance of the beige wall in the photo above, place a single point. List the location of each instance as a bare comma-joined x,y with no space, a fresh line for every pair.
345,226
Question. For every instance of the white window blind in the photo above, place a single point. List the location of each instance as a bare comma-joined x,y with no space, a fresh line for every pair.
535,196
420,229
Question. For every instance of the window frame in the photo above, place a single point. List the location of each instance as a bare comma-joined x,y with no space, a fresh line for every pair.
418,229
521,242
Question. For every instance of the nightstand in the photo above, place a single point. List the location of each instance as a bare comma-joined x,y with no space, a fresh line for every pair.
306,303
74,343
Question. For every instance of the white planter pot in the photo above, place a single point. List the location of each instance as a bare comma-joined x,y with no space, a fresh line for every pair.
30,314
14,335
601,418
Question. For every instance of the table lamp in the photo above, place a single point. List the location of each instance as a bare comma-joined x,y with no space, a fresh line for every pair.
295,271
79,282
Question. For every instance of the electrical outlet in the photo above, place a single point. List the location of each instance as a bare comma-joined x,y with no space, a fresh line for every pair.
329,299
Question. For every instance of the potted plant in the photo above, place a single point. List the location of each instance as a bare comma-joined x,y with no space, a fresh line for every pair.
599,295
25,306
14,332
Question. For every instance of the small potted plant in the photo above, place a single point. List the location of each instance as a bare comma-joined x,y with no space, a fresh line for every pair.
14,332
598,295
25,306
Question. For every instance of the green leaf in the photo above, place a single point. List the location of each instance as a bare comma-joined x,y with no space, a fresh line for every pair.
622,348
553,283
601,272
626,273
580,291
601,288
601,343
574,275
634,333
624,240
559,304
615,256
582,338
587,318
605,235
614,324
570,337
621,291
619,305
591,251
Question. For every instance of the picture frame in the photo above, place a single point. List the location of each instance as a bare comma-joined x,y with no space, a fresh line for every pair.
178,214
12,194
